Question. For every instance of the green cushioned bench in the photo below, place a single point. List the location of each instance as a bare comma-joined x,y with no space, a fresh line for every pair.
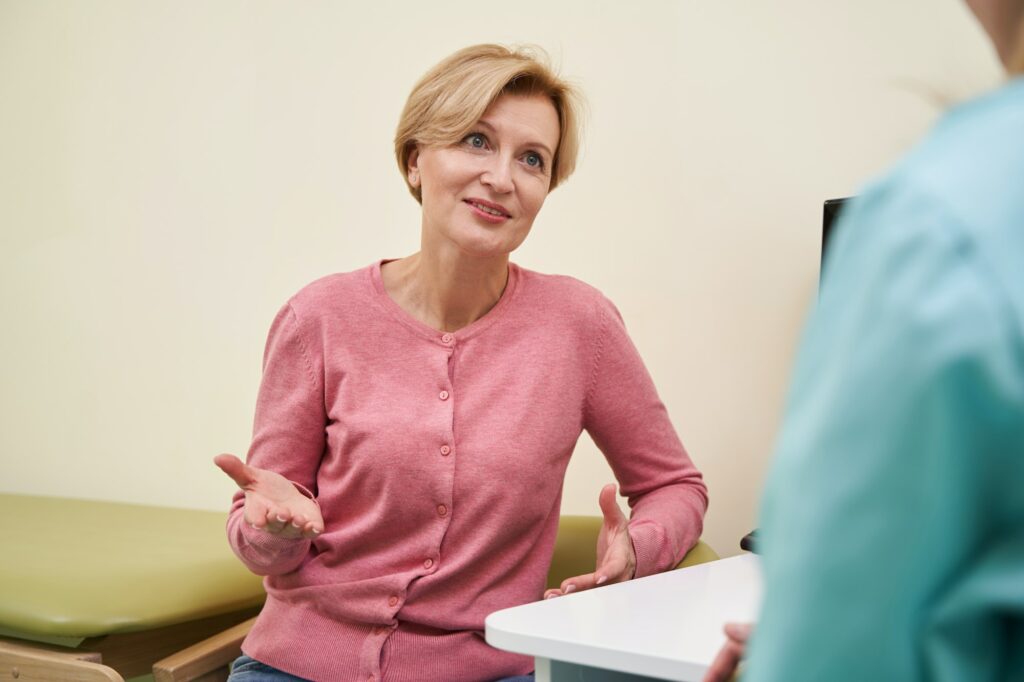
88,585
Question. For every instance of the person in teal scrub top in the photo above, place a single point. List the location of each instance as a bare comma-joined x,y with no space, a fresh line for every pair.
892,527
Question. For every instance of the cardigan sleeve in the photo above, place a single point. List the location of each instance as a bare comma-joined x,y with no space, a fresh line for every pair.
288,438
628,422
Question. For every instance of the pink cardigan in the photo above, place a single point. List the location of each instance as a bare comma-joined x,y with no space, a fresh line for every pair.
437,461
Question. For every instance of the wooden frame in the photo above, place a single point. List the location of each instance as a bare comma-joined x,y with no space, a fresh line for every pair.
113,658
43,663
206,661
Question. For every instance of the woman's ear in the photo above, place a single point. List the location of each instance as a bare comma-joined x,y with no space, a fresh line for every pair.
413,168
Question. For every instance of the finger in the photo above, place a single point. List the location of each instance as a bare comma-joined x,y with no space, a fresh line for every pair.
298,522
613,515
553,592
739,632
292,526
276,520
316,520
725,663
579,583
310,531
241,473
255,511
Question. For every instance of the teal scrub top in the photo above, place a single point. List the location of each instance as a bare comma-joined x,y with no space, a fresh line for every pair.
892,527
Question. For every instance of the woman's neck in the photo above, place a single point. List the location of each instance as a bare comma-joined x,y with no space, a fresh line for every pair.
446,291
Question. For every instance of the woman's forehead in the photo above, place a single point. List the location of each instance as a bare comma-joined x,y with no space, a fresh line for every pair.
532,116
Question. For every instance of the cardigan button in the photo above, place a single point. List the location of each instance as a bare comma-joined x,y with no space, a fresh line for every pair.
443,395
442,510
427,563
447,338
392,600
445,451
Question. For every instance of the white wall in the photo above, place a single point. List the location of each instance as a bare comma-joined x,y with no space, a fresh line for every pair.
171,172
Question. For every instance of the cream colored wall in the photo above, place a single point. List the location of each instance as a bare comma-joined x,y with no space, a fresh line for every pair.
171,172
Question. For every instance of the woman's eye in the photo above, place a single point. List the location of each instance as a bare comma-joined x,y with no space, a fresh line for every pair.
533,160
476,140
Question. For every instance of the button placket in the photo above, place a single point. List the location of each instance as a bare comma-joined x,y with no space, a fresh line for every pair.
445,447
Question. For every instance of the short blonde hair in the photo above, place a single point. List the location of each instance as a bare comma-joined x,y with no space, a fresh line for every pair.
450,98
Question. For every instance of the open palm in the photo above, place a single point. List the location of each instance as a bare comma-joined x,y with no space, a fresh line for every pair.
272,502
616,559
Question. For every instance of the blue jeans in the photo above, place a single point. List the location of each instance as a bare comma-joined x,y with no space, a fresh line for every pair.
246,669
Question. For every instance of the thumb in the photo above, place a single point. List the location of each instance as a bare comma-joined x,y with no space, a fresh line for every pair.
240,472
613,515
739,632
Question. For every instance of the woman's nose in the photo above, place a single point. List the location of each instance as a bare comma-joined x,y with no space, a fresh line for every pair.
498,175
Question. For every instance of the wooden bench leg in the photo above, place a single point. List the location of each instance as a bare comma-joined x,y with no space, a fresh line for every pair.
28,663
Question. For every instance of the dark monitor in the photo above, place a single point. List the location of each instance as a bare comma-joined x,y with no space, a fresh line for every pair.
831,213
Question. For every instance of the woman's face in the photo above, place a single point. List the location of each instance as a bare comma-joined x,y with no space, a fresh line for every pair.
482,193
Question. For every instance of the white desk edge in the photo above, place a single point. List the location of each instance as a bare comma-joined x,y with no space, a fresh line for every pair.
667,626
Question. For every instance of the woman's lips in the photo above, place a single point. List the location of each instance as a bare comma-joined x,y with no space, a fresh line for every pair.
488,210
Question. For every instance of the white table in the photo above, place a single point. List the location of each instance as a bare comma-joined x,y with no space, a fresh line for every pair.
663,627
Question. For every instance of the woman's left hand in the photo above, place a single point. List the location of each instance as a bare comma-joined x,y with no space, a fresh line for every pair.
616,560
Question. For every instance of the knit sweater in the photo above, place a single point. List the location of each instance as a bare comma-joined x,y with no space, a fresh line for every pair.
437,460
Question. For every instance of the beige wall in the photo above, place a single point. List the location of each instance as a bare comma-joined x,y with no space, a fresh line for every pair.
171,172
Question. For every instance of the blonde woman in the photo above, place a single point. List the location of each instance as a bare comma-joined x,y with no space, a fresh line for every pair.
893,523
416,416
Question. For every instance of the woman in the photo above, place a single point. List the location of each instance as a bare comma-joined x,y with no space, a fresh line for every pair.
893,522
416,417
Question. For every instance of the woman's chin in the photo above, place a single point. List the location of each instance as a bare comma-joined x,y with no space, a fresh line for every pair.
485,246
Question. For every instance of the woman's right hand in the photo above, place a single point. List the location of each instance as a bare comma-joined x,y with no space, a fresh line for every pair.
272,502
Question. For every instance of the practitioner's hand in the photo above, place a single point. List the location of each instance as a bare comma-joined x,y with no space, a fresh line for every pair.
616,560
728,659
272,503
